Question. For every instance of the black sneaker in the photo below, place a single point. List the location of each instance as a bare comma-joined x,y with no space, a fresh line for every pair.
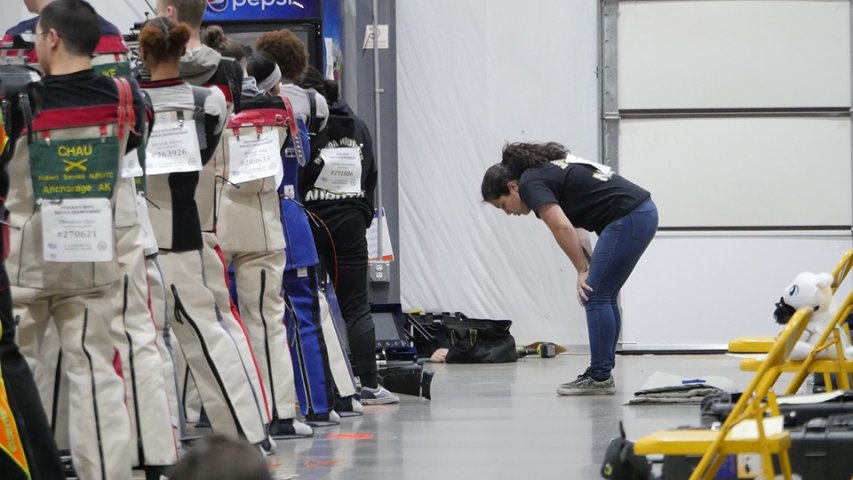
348,407
323,419
289,428
267,447
155,473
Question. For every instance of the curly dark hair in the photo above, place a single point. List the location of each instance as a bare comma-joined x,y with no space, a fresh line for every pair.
161,40
287,49
516,158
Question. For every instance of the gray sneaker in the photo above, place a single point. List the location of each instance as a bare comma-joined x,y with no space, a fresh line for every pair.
377,396
586,385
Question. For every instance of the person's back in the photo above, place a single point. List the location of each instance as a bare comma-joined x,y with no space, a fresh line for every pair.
345,210
67,194
343,129
34,437
203,66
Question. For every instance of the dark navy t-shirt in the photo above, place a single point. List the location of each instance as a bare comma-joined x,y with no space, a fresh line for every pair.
590,200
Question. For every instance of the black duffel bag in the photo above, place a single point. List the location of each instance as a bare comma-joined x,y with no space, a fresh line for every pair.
480,341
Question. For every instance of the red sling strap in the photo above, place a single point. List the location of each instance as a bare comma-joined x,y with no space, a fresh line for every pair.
126,113
294,132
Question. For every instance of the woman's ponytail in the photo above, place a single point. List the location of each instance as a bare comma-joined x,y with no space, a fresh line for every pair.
518,157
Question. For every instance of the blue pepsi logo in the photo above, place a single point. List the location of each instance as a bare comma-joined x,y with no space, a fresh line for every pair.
217,6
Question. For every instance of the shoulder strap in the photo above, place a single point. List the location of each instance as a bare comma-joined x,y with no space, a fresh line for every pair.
27,112
200,95
294,132
313,121
126,113
234,85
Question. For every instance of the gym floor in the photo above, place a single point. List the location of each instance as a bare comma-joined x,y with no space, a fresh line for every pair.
497,421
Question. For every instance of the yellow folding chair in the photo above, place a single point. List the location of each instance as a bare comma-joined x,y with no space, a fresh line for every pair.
756,400
830,338
762,344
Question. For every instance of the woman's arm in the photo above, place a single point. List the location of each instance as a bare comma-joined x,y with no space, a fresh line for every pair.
565,234
586,242
570,241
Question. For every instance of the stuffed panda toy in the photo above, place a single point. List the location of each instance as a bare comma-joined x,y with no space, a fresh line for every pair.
812,290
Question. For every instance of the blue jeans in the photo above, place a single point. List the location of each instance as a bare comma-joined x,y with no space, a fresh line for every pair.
617,251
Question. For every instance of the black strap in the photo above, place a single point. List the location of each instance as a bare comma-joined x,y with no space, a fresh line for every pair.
200,95
313,121
234,84
456,341
27,112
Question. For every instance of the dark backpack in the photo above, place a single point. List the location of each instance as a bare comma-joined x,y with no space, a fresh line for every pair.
621,463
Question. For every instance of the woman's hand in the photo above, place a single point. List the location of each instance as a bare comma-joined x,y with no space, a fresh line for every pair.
583,287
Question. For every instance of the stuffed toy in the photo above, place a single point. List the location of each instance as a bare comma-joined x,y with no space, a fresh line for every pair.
812,290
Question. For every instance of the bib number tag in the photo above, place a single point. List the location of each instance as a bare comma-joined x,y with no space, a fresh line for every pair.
341,170
252,157
77,230
172,147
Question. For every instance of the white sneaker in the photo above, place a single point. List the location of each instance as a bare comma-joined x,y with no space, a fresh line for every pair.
377,396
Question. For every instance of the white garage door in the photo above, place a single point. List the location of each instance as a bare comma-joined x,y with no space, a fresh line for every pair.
736,116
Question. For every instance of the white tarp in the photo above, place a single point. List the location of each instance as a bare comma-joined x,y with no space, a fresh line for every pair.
471,76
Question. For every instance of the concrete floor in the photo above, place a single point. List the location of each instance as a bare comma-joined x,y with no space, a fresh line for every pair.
496,422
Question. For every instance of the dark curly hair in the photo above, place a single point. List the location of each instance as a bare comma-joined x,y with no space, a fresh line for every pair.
161,40
287,49
516,158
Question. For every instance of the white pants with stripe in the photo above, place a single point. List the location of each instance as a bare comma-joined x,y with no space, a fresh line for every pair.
153,440
99,423
338,361
165,340
216,279
210,349
259,294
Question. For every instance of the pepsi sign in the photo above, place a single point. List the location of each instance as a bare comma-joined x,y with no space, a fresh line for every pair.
242,10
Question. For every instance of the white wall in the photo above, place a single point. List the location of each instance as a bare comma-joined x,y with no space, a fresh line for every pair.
471,76
12,12
780,176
